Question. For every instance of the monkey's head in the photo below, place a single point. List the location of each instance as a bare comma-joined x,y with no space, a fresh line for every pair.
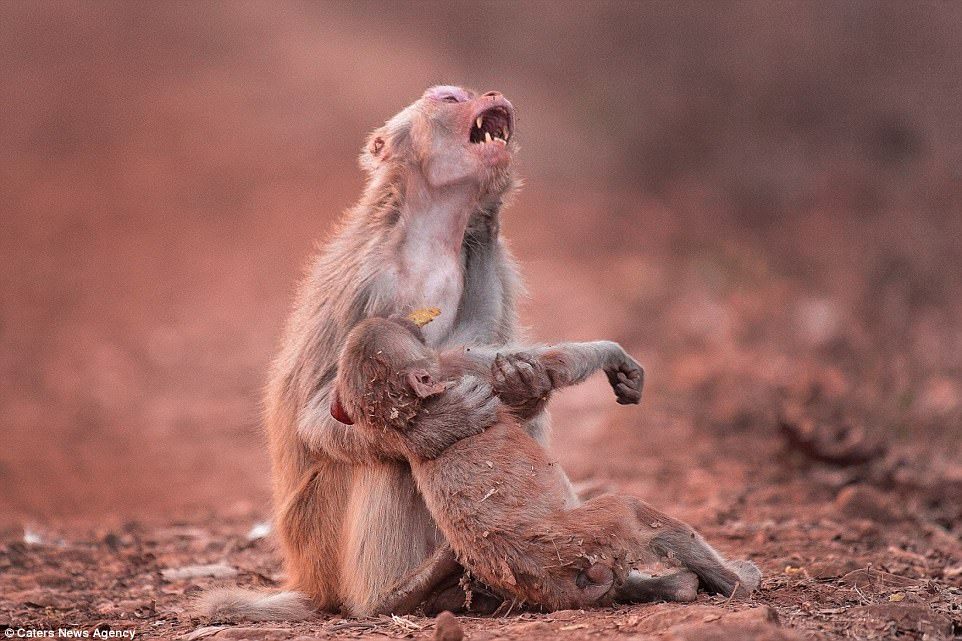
452,136
384,373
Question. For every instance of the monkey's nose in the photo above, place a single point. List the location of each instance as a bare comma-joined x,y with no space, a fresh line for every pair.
493,94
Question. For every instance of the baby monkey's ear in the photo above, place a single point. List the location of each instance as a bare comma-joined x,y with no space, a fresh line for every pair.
423,383
338,411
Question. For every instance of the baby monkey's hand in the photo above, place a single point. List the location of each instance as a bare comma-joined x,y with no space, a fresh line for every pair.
522,382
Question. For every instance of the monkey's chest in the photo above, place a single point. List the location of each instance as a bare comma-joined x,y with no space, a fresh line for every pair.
432,281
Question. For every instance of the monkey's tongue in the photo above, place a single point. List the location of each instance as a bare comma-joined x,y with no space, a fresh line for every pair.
493,125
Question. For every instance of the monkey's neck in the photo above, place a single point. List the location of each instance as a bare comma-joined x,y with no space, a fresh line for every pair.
433,221
430,270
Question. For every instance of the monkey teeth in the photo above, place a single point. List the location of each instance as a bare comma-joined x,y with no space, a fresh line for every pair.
498,137
484,136
493,125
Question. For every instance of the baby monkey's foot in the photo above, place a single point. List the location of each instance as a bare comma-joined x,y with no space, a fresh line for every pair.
639,587
749,576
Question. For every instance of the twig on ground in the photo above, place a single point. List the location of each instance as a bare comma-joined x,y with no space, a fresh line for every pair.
731,596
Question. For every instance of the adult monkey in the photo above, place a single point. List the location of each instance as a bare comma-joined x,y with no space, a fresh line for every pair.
425,233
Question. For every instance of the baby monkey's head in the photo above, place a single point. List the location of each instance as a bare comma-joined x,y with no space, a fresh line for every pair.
384,373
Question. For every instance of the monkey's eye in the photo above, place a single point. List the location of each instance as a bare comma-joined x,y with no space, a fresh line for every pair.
447,93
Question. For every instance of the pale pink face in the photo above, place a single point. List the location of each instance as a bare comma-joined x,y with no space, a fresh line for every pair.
456,136
478,132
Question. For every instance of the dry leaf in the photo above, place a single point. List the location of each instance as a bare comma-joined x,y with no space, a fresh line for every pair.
423,316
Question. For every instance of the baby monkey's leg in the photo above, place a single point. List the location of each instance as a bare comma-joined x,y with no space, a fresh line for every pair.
412,590
629,541
650,535
436,585
673,539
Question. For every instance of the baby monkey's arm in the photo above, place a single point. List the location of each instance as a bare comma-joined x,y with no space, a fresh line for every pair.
462,410
571,363
483,379
524,379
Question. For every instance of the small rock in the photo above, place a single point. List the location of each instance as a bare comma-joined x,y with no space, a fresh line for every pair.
215,570
917,617
52,580
42,598
254,634
660,617
204,632
862,530
831,568
706,623
940,396
536,630
871,578
864,502
259,530
719,631
447,628
838,445
32,537
566,615
763,614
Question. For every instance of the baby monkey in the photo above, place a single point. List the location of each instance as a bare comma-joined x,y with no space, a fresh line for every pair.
505,508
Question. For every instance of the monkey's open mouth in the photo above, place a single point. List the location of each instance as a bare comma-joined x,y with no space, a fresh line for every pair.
492,125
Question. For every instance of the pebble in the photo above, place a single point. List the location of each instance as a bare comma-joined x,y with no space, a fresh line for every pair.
447,628
864,502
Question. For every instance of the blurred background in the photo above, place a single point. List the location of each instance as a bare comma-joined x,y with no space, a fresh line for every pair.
763,201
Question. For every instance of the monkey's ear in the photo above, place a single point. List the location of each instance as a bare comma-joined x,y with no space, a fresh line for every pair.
376,150
392,141
338,411
423,383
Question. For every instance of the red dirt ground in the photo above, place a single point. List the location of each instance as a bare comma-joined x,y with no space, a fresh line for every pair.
801,330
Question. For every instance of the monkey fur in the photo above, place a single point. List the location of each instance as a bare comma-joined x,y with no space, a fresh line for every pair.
503,506
349,520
